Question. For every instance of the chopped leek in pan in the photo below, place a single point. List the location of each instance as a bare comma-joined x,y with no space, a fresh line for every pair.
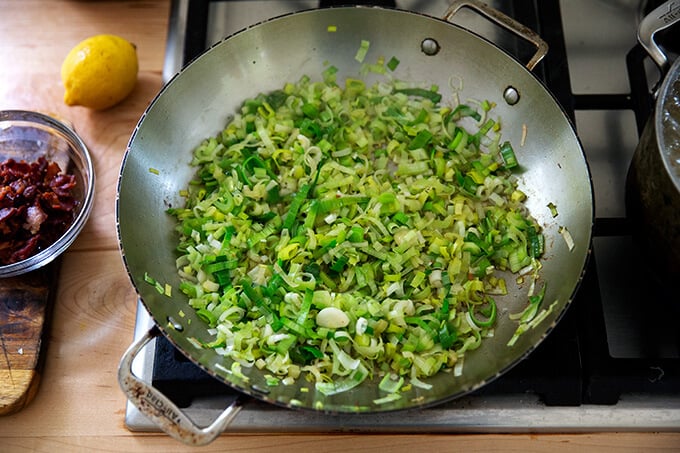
338,231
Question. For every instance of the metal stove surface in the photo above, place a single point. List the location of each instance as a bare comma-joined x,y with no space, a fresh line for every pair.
632,368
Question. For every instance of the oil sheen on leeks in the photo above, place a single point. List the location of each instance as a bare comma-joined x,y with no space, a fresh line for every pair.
381,201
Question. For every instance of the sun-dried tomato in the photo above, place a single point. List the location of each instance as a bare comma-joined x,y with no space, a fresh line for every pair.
36,207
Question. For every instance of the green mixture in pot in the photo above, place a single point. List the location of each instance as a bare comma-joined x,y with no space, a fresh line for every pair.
335,232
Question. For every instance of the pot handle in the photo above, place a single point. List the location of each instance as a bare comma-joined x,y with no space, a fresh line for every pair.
660,18
160,410
506,22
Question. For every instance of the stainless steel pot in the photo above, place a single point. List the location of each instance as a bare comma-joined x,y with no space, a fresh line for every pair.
653,183
196,103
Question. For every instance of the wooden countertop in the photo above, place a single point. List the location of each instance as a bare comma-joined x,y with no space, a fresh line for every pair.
79,406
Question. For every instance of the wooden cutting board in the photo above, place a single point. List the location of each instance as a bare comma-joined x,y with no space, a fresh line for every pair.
25,310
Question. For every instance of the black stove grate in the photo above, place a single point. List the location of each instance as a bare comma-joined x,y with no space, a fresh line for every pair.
573,366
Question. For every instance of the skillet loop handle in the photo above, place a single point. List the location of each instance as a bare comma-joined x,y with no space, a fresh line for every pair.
160,410
506,22
661,18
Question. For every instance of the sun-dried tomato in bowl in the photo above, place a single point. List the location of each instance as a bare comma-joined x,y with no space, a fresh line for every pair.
36,207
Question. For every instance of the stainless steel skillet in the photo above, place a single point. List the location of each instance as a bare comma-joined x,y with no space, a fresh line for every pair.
196,104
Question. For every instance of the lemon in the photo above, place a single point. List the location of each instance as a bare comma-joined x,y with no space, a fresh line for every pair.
99,72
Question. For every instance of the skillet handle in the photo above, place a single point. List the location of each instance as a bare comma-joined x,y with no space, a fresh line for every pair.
661,18
506,22
160,410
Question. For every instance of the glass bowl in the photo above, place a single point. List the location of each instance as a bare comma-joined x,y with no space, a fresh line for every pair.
26,135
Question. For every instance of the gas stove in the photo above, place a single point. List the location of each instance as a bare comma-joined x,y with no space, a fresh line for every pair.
613,362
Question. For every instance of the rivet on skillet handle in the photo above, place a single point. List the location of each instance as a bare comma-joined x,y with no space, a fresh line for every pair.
160,410
506,22
661,18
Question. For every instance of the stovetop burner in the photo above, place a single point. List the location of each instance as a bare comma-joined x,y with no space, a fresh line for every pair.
613,362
